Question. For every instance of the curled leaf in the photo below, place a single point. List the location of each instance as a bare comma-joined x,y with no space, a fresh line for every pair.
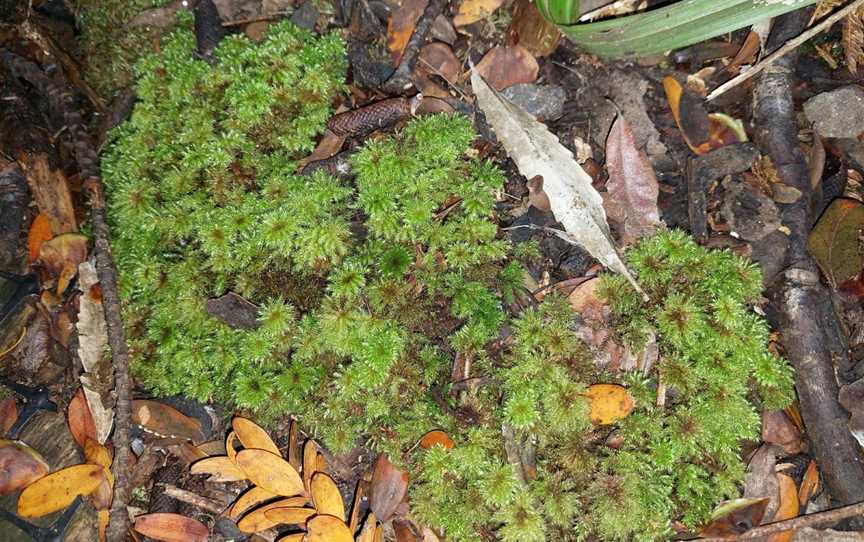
251,498
166,421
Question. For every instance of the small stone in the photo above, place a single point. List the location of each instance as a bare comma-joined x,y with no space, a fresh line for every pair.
838,113
306,16
546,102
442,30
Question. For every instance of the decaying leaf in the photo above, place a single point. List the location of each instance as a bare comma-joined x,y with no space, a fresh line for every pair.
536,151
609,403
401,26
438,59
809,484
58,490
533,31
8,414
252,436
323,528
80,421
387,489
778,429
326,497
632,185
734,517
436,437
359,498
20,466
256,520
760,480
271,472
289,516
328,146
689,114
835,240
40,231
171,528
167,421
220,468
471,11
505,66
230,446
50,190
788,506
253,497
61,256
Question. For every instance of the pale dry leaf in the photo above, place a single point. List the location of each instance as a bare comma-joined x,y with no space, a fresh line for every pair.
536,151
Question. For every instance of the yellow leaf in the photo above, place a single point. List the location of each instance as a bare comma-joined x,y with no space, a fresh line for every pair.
609,403
271,472
325,528
96,453
230,450
369,528
252,436
326,496
310,461
290,516
788,508
57,490
220,468
102,516
257,520
252,498
471,11
297,537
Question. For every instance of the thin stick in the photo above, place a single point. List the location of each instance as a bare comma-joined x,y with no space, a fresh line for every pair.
828,516
788,46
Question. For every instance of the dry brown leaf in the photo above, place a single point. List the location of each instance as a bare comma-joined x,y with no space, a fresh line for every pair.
50,190
852,39
293,449
326,496
585,294
401,26
809,484
166,421
788,506
58,490
505,66
609,403
250,499
359,497
289,515
746,54
437,58
40,231
533,31
271,472
778,429
734,517
310,462
689,114
387,488
471,11
436,437
212,447
20,466
171,528
252,436
220,468
323,528
329,145
403,531
8,414
61,255
256,520
80,421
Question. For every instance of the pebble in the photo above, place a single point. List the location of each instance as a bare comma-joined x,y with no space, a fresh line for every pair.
838,113
545,102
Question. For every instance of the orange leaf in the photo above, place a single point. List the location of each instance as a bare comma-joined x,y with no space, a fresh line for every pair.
293,450
220,468
20,466
253,497
230,450
296,537
326,496
310,461
436,437
8,414
97,454
689,114
40,231
609,403
58,490
289,515
810,484
325,528
271,472
257,521
401,25
81,423
166,421
171,528
788,506
403,531
61,256
471,11
253,436
103,517
387,488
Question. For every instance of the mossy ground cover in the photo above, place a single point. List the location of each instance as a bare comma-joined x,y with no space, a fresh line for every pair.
369,290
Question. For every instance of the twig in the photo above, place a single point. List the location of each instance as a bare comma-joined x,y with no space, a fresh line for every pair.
788,46
208,505
400,80
809,520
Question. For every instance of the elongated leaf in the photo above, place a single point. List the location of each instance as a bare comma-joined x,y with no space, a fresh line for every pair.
171,528
290,515
166,421
632,184
270,472
325,528
326,496
387,489
220,468
253,497
253,436
536,151
257,520
57,490
310,462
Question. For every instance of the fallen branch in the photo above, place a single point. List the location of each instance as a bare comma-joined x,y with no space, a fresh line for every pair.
810,520
785,49
63,104
400,80
208,505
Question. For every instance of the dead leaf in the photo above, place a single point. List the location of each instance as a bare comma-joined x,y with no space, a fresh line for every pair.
329,145
760,480
403,531
102,519
401,25
20,466
585,294
256,520
359,498
809,484
253,436
852,39
788,506
387,488
50,190
436,437
778,429
536,196
505,66
250,499
835,240
689,114
536,151
367,534
296,537
289,516
437,58
326,497
271,472
61,255
230,449
80,421
293,450
171,528
166,421
609,403
58,490
734,517
533,31
746,54
324,528
310,462
632,185
40,231
471,11
8,414
219,467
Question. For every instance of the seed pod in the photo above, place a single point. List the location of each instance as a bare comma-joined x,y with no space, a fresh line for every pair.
366,120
